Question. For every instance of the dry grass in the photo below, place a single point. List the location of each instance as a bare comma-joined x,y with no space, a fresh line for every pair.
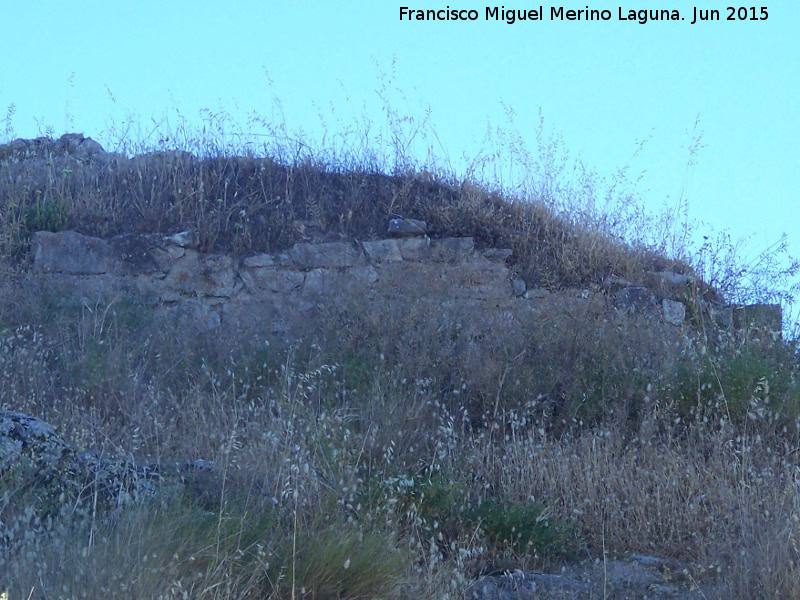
407,449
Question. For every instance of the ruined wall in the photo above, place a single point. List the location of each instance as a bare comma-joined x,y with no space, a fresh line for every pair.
283,293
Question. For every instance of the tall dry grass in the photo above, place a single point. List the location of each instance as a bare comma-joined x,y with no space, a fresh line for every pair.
405,450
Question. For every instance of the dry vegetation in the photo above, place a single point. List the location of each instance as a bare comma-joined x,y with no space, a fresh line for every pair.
385,458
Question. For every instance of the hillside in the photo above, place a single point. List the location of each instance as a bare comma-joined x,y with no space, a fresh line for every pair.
239,376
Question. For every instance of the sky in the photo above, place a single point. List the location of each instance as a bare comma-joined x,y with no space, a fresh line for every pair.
616,91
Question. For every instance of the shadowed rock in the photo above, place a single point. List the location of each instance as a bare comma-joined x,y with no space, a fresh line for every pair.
407,227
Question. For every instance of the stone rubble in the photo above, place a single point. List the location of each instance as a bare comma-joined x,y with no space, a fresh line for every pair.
32,451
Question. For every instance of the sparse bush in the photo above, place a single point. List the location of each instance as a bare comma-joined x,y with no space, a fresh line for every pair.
751,380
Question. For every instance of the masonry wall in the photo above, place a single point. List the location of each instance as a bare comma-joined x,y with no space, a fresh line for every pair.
285,293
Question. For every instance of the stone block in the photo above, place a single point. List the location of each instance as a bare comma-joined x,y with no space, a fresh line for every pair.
212,275
71,253
452,249
259,260
497,254
722,316
415,248
382,250
768,316
329,254
282,281
339,282
674,312
637,297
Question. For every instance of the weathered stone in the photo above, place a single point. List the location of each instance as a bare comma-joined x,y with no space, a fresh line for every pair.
613,282
212,275
35,452
78,146
674,312
194,315
164,258
407,227
497,254
184,239
74,145
536,293
415,248
452,249
329,254
476,280
287,293
259,260
722,316
72,253
271,279
23,435
637,297
141,254
78,290
382,250
339,282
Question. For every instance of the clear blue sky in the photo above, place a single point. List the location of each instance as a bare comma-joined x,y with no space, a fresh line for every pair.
603,85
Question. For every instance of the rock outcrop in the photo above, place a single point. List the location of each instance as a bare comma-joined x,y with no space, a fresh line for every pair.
33,454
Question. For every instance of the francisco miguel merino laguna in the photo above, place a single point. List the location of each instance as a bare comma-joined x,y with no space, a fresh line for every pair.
558,13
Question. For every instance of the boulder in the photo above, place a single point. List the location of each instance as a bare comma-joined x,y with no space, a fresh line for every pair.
407,227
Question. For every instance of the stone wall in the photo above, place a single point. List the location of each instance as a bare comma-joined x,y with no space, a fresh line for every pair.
282,293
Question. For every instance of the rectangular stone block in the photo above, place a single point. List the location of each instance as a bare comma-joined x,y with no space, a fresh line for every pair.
71,253
282,281
415,248
259,260
382,250
330,254
452,249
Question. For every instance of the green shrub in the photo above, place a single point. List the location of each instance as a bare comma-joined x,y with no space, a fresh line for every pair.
523,529
45,215
753,381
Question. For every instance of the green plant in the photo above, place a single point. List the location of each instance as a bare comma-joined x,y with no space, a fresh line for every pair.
751,381
45,215
521,529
